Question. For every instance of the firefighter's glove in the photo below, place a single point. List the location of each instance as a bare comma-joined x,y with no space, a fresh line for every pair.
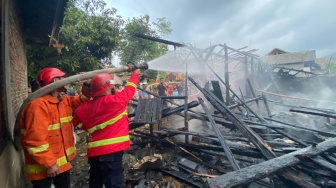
86,92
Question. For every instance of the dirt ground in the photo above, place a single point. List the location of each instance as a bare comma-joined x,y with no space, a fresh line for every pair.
80,170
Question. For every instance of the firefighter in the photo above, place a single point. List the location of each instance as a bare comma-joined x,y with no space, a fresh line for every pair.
47,134
105,119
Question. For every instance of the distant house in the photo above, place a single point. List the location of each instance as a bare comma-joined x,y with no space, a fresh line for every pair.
292,69
304,60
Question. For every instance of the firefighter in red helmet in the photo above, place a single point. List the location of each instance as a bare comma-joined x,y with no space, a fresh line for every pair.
101,83
105,119
47,133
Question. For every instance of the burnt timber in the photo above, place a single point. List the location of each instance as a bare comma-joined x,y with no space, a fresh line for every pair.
253,144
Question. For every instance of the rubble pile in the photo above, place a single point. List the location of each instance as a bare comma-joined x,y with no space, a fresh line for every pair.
227,158
242,147
243,140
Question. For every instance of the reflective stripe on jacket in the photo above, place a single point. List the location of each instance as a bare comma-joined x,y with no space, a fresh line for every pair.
47,134
105,119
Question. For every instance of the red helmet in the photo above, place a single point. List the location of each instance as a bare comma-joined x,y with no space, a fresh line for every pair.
45,76
101,83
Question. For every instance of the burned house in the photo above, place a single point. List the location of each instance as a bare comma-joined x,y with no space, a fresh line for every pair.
258,138
292,69
23,22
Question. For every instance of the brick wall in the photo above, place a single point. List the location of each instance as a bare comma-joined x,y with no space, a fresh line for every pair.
13,65
18,63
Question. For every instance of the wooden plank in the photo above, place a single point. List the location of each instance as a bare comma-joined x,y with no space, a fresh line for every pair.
149,111
249,174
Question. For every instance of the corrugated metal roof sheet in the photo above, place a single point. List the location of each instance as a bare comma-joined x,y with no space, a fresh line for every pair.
294,57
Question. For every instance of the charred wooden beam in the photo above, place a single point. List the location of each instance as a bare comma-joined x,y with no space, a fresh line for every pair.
228,136
200,134
299,182
212,140
303,128
226,75
176,132
252,90
238,51
232,145
220,137
313,113
263,124
236,149
322,162
252,173
180,108
244,103
324,110
264,97
247,101
221,121
265,149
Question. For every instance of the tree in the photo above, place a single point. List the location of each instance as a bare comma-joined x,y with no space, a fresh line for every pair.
39,57
91,35
87,40
134,49
331,68
90,32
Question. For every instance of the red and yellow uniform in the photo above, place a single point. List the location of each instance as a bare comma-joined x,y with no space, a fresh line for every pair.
105,119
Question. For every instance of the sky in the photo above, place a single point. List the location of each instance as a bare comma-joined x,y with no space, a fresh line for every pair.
291,25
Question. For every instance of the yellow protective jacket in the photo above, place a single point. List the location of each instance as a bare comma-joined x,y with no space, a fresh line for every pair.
47,134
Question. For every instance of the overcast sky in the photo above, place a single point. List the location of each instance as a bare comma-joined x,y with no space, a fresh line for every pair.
292,25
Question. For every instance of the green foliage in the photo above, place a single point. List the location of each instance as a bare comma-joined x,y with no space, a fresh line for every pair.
92,35
38,58
331,68
163,27
90,32
134,49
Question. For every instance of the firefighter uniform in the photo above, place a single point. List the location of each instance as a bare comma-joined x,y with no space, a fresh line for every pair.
47,134
105,119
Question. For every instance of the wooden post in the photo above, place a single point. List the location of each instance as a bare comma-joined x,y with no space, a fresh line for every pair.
264,97
247,91
226,74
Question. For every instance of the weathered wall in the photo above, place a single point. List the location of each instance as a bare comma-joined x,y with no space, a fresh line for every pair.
14,76
18,65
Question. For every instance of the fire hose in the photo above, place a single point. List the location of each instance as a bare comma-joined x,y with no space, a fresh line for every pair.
55,85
